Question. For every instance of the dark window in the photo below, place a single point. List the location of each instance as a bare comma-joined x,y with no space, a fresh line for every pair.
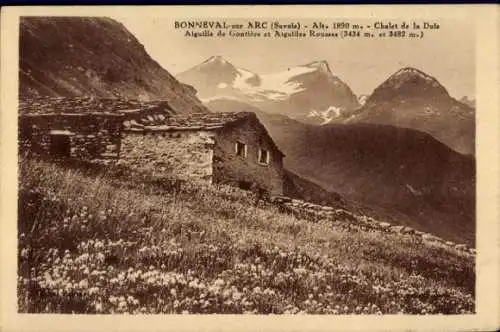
241,149
60,145
263,156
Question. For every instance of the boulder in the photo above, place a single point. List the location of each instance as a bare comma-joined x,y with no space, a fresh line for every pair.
278,199
397,229
418,233
384,225
309,205
363,219
285,199
340,213
429,237
408,230
440,240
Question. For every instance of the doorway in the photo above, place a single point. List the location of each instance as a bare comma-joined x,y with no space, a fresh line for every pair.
60,145
245,185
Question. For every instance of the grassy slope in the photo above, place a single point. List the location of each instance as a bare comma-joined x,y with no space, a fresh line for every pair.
300,188
94,241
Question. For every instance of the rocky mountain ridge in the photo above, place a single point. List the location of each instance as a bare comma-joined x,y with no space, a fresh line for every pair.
93,57
413,99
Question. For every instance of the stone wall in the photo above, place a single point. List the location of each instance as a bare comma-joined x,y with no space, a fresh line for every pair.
353,222
187,155
232,169
90,135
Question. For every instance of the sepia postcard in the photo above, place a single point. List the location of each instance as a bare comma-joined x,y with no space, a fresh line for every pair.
234,168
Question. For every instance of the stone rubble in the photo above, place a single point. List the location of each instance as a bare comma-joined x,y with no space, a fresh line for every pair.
353,221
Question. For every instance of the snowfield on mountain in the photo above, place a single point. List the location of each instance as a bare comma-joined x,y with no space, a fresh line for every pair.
276,86
306,92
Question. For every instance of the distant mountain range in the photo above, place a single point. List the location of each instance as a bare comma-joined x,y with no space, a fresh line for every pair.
90,56
310,93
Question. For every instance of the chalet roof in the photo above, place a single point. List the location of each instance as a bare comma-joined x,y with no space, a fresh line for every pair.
84,105
194,121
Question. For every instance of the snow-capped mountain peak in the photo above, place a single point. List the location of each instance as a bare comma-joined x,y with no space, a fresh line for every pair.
216,73
321,65
216,64
410,74
411,70
413,99
408,83
216,59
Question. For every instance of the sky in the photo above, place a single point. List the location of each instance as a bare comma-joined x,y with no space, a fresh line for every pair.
448,54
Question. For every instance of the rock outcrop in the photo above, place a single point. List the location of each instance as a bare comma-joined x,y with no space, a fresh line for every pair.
97,57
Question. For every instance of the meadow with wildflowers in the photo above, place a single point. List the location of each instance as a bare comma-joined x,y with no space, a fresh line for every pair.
113,241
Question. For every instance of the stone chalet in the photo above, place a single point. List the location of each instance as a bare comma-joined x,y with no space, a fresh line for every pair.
228,148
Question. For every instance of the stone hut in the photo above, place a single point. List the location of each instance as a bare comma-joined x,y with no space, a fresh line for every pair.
85,136
229,148
77,127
